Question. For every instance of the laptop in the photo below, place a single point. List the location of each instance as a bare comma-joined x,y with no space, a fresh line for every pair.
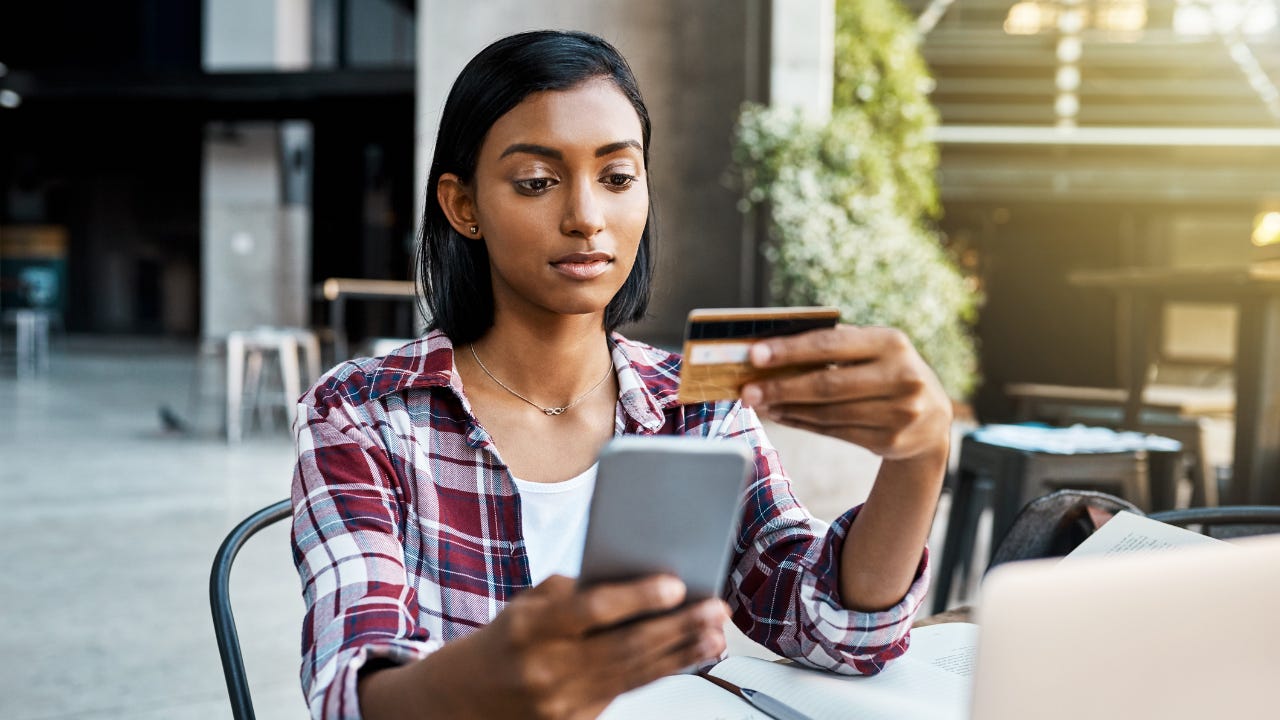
1187,634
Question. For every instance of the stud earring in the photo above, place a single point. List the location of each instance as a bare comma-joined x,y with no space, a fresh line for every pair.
475,229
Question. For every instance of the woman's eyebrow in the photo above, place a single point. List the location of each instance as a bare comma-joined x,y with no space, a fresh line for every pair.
615,147
533,150
554,154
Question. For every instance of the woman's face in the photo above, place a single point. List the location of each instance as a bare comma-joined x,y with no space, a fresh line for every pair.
560,199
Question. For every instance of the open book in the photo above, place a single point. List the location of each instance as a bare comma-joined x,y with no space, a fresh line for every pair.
930,682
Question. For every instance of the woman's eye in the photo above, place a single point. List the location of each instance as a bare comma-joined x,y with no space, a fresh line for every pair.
534,186
619,181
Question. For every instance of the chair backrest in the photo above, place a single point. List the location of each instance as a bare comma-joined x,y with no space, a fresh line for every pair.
1227,521
224,622
1197,343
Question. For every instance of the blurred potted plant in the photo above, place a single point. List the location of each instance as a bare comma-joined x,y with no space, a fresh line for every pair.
850,198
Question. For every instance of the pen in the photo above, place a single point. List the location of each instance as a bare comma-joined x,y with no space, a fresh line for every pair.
766,704
771,706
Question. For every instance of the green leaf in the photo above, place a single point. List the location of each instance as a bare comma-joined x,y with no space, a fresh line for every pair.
849,199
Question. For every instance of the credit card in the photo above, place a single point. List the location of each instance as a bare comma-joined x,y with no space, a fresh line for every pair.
717,342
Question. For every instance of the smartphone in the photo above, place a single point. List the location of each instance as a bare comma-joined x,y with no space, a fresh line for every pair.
666,504
717,342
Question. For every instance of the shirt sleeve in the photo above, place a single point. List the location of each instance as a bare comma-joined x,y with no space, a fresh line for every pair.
348,548
784,584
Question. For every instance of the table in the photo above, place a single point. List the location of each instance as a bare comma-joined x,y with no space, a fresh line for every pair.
1170,399
1255,291
338,290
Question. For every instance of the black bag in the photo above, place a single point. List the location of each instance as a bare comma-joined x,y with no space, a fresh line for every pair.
1053,525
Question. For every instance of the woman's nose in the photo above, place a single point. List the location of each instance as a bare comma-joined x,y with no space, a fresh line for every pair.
583,214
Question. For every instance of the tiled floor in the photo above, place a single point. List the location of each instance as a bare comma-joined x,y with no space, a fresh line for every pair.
110,528
111,525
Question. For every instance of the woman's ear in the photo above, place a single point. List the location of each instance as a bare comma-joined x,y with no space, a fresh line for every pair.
459,205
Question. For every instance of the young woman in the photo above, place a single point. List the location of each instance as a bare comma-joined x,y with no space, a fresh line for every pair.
441,492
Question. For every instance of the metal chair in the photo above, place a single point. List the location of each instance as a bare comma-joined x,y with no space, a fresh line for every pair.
224,622
1004,479
1231,520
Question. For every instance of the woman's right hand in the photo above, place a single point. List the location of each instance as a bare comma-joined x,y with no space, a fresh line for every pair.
556,651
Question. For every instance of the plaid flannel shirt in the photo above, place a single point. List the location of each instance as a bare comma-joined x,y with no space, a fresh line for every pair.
406,524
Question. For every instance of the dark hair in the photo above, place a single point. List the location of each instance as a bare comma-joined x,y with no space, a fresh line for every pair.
454,271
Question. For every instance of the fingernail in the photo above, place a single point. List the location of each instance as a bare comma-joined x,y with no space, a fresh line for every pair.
752,395
716,612
711,647
671,590
761,354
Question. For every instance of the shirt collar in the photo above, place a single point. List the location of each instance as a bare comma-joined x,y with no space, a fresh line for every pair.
648,381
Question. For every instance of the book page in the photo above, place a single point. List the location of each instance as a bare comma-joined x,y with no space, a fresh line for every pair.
1127,532
950,647
678,697
930,682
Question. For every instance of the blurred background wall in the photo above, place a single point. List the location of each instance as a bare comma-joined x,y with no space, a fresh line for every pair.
206,162
151,140
118,122
1094,134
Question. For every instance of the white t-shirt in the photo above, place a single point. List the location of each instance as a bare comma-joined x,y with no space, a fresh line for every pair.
553,517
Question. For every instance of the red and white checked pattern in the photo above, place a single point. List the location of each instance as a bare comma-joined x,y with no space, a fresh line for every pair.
406,526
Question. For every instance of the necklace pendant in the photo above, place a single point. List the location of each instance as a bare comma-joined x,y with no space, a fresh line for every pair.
554,410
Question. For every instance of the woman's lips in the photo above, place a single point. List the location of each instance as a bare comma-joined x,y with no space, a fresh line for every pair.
582,266
582,270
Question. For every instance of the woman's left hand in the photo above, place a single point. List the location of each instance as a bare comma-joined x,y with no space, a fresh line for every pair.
870,387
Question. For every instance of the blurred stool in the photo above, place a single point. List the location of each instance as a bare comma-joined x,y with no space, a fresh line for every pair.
1003,467
1198,417
247,353
32,342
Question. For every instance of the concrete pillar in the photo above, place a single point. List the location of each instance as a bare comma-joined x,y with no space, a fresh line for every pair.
256,196
255,227
802,57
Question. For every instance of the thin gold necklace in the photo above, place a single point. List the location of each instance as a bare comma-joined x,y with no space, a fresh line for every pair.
546,410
